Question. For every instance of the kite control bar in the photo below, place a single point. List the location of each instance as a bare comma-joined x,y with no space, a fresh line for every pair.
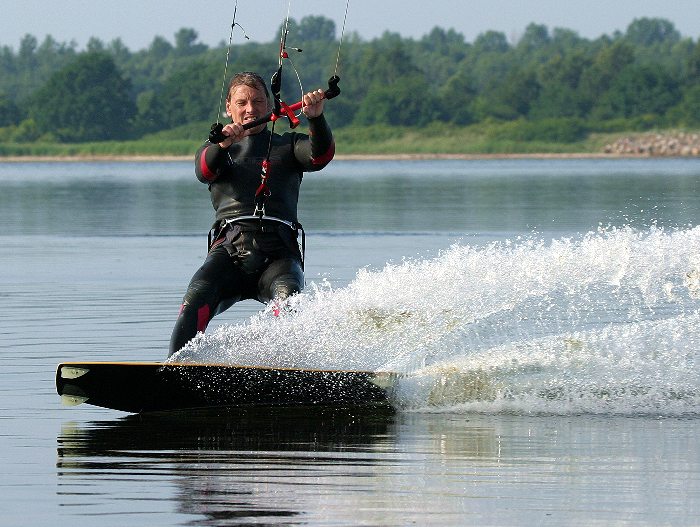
287,110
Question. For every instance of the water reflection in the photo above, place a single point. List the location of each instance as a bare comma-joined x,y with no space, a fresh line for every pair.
351,467
276,466
289,428
222,463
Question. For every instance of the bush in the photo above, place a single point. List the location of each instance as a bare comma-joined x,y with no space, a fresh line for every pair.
559,130
641,123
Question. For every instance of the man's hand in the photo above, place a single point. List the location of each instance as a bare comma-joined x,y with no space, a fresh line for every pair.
313,104
234,132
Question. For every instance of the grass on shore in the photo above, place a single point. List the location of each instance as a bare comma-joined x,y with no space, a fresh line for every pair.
446,139
436,139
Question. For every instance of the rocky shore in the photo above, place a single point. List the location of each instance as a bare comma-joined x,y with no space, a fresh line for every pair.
656,145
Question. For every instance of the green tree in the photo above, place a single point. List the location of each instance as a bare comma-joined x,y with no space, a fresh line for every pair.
605,66
87,100
119,52
457,98
401,103
27,51
160,48
639,90
534,41
440,54
565,41
445,44
95,45
385,66
9,112
491,42
511,98
190,94
687,112
186,43
693,64
489,61
560,94
313,28
650,31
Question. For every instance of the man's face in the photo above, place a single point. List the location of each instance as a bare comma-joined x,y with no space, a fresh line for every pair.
247,104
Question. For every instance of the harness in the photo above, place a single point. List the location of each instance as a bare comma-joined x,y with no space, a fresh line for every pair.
255,223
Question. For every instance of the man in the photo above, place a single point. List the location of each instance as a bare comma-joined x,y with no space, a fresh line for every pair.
253,252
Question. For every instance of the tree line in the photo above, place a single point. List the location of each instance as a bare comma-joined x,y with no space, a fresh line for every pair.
551,84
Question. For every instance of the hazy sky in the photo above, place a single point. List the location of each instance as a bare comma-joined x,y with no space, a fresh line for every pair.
138,21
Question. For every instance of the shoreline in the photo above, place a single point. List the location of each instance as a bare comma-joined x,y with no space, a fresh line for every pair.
644,145
338,157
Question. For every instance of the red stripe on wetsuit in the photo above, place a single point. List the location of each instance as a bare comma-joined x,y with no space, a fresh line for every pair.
203,316
325,158
204,168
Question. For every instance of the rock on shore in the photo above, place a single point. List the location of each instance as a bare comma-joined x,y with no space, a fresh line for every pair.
654,144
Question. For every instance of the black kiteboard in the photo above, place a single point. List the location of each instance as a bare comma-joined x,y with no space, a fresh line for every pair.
137,387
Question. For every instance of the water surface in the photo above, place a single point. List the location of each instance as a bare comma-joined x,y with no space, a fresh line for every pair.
544,314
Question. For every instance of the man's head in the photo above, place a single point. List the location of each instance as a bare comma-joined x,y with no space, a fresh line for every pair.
247,99
247,78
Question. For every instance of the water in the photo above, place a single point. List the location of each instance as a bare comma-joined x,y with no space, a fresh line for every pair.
544,316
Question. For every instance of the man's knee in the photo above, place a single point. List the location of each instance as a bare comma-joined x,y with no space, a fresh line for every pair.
285,286
281,280
198,293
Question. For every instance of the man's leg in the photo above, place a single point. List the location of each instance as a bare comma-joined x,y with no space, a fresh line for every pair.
211,283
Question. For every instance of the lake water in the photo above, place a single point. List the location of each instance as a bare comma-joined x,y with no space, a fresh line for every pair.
545,315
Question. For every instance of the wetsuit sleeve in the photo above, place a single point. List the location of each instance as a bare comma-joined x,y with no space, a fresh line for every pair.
207,162
316,151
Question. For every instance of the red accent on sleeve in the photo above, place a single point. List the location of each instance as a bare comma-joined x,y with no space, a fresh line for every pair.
325,158
206,172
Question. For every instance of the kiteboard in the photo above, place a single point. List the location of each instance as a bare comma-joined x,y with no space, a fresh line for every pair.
138,387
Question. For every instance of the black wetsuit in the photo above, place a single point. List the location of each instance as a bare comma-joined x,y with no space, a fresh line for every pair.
250,258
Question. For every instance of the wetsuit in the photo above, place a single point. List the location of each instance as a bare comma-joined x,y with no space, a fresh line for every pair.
251,258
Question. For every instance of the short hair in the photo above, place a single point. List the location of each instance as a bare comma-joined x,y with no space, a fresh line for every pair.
247,78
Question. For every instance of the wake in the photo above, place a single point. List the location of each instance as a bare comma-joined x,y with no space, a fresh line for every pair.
606,322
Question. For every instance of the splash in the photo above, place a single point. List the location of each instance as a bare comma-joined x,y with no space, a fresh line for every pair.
607,322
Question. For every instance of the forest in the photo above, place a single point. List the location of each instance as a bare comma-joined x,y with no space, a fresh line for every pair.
550,85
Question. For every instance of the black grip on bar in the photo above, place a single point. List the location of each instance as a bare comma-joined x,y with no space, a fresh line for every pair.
333,89
216,134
